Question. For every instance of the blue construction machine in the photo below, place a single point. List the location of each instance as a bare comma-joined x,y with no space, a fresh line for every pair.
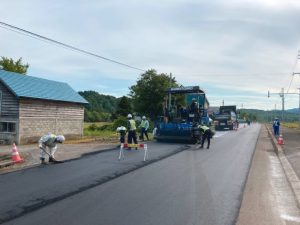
185,108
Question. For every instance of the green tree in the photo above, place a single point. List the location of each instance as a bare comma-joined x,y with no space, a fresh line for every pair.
9,64
124,107
149,93
100,106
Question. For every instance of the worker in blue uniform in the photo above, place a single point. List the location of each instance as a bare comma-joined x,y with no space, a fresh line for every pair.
276,126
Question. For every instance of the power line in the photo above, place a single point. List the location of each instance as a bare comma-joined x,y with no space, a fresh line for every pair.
43,38
293,70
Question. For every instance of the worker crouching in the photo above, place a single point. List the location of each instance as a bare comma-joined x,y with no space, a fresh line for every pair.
207,134
49,141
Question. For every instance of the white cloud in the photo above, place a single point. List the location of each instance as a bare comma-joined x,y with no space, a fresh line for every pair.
237,45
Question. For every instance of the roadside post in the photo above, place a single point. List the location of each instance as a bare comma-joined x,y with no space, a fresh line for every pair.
121,154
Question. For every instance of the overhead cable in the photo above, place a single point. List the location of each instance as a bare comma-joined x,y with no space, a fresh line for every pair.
40,37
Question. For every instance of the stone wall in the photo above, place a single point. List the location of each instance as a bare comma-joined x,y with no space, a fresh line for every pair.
39,117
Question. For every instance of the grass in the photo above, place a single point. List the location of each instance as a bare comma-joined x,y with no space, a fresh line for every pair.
98,124
100,133
87,132
294,125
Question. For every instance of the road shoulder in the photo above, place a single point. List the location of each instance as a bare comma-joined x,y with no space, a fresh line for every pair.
268,198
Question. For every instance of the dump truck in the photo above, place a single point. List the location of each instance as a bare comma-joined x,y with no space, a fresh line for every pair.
226,118
184,109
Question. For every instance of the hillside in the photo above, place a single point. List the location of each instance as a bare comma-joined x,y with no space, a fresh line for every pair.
268,116
100,106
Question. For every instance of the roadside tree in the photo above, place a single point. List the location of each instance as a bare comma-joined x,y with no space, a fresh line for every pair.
9,64
148,94
124,107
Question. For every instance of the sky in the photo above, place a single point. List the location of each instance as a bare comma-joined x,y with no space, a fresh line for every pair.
236,50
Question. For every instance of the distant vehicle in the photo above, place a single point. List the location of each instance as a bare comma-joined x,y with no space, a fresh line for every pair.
226,118
185,109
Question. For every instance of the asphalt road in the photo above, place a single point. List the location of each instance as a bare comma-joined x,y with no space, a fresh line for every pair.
191,187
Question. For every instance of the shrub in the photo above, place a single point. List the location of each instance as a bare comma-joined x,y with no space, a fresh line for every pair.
121,121
106,127
92,127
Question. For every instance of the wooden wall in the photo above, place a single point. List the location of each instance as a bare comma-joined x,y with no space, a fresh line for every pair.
9,103
9,112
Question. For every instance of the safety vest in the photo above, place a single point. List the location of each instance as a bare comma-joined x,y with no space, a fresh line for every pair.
49,140
132,125
145,124
204,128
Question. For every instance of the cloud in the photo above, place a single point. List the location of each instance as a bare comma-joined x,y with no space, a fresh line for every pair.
237,46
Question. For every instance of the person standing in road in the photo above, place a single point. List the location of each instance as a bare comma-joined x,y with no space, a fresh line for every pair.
122,131
206,135
131,126
49,141
276,126
144,128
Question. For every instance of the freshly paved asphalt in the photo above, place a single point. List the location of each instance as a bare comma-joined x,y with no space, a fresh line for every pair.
192,187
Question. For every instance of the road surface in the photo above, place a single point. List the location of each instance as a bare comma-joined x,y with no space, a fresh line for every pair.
191,187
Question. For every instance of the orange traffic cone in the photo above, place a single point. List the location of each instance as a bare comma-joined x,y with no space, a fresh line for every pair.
15,157
280,140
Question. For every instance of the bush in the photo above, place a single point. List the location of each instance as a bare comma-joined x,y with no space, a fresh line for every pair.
106,127
121,121
92,127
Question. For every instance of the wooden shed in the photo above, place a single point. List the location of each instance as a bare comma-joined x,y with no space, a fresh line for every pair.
31,107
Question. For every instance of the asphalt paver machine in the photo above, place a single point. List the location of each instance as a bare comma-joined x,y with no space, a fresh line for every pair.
185,108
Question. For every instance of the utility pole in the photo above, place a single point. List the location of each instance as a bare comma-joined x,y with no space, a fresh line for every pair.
282,98
299,94
169,97
299,108
223,102
281,94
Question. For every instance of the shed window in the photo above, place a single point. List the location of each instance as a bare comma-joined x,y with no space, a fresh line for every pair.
7,127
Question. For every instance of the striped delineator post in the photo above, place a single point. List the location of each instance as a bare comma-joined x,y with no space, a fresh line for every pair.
146,152
121,154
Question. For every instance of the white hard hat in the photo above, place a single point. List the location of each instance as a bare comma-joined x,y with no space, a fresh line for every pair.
60,138
144,117
129,116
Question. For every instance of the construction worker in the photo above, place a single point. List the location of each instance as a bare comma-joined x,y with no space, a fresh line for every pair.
122,131
206,135
144,128
131,126
194,110
276,126
49,141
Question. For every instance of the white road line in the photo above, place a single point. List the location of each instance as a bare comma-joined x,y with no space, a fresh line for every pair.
220,134
290,218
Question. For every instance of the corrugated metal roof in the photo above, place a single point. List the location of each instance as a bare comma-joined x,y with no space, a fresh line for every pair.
34,87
